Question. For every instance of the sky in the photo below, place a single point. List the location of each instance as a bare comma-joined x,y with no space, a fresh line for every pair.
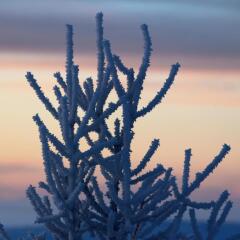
201,111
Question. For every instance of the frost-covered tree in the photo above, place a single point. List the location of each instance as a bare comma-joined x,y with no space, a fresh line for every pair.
137,203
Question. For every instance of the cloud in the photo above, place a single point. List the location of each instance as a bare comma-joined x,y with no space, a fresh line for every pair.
9,168
193,31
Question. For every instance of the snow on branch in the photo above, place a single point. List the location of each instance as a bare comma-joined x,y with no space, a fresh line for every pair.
95,189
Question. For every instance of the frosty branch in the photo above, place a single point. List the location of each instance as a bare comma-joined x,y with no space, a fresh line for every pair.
136,202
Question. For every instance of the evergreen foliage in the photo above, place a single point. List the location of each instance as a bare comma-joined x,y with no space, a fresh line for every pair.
136,203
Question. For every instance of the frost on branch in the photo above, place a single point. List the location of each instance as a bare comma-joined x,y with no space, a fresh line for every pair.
137,204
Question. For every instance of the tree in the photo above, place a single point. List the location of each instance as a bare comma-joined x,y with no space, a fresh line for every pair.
136,203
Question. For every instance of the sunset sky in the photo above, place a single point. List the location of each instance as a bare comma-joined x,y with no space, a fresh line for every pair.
201,111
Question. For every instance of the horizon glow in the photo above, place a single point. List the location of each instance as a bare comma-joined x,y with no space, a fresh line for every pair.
201,110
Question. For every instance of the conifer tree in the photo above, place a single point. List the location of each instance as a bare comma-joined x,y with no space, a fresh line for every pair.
137,204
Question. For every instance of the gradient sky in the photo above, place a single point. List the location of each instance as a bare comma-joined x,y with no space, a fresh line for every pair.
201,111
